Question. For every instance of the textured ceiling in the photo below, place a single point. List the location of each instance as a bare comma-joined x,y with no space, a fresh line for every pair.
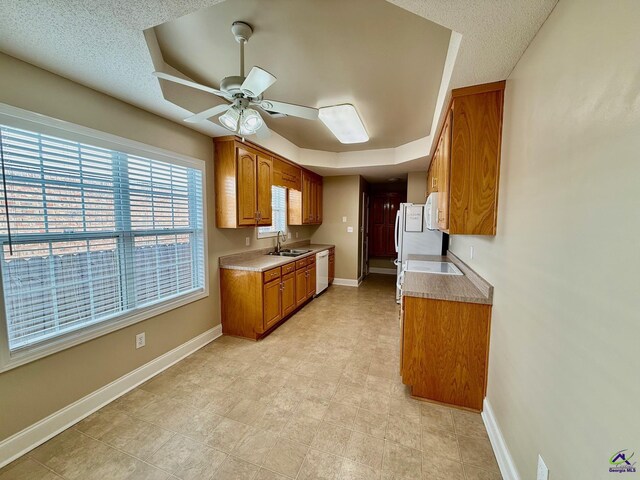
101,44
384,60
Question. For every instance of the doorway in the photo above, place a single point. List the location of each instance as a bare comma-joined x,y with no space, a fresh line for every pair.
384,202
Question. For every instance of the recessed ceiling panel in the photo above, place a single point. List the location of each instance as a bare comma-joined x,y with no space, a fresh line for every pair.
385,61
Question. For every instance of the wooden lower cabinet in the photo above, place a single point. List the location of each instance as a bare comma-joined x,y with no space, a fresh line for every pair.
311,280
301,286
288,293
252,303
445,350
272,303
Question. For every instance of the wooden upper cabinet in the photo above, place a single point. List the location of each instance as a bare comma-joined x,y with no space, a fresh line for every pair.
305,207
264,183
244,175
443,175
466,161
247,187
318,200
286,174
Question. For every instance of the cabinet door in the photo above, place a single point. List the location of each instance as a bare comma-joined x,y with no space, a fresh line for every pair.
443,166
247,187
313,201
288,293
264,183
301,286
319,200
311,280
306,198
271,303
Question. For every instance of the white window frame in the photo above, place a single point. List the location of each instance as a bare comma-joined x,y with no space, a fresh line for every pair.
262,232
20,118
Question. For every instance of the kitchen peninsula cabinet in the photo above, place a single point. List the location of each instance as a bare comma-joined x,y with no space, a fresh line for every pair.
253,302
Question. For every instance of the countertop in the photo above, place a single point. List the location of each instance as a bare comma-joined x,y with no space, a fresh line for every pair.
259,261
469,288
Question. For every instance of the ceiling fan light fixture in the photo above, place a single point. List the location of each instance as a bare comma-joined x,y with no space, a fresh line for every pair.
344,122
230,119
250,121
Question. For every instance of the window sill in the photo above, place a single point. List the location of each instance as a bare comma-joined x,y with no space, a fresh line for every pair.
20,357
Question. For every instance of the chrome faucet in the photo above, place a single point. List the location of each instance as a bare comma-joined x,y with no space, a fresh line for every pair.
278,242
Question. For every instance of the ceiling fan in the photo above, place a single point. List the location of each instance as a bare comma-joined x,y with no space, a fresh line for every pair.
243,93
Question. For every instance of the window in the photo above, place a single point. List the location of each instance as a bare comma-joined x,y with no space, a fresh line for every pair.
279,213
92,236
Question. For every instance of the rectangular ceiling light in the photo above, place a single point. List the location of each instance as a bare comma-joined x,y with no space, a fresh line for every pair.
344,123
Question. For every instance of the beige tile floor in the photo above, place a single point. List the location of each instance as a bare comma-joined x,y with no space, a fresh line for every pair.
320,398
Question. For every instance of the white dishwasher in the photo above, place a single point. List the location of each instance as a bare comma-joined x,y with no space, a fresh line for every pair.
322,271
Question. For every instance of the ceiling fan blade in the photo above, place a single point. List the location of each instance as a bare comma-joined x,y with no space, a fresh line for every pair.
289,109
263,132
188,83
210,112
257,82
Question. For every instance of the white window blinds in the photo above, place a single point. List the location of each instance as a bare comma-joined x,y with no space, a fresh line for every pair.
279,213
92,234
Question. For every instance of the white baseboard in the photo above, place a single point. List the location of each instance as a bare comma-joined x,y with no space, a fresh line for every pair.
503,456
346,282
384,271
41,431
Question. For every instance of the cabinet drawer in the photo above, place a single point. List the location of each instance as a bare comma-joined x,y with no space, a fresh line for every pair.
288,268
311,260
301,263
271,274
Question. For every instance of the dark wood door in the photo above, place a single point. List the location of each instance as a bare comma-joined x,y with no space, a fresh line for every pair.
393,205
247,187
384,207
377,230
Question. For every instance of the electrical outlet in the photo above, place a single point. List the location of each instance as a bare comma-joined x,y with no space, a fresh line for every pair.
247,241
140,340
289,236
471,252
296,234
349,229
543,471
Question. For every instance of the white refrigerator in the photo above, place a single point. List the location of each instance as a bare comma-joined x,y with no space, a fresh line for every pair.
413,237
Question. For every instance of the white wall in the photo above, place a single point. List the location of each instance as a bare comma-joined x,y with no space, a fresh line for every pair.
564,368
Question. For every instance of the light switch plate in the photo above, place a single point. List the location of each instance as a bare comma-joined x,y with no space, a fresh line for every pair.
543,471
349,229
247,241
344,219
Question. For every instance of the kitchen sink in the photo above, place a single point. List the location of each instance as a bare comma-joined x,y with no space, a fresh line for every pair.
289,253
